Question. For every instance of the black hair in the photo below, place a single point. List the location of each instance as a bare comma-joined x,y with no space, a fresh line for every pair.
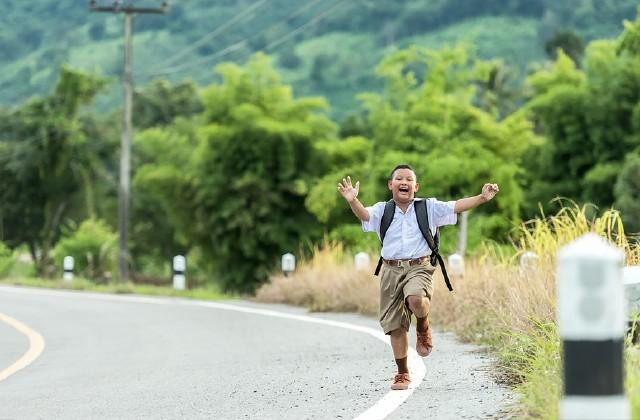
401,166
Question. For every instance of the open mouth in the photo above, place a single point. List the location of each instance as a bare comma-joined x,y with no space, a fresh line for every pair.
404,190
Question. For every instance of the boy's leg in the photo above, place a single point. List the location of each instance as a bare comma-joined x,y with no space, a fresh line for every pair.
418,291
400,347
420,307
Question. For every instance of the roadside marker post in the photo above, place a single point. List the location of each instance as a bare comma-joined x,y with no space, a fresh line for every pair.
528,262
67,268
631,279
592,324
456,265
179,268
362,261
288,264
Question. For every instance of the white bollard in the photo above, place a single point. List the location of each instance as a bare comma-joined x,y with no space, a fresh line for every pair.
67,267
361,261
592,324
179,268
631,279
456,265
288,264
528,262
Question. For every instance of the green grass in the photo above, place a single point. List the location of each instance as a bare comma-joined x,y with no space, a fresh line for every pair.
535,362
209,293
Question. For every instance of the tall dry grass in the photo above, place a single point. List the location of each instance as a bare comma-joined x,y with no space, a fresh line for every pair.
328,281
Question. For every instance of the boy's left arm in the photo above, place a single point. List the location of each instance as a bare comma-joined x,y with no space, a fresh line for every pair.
488,192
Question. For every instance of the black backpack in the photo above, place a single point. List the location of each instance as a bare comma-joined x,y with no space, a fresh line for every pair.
423,223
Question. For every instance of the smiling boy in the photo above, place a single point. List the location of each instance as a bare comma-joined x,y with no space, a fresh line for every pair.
406,285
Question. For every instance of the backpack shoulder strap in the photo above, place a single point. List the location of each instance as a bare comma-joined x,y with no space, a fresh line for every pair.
423,223
387,218
433,241
385,222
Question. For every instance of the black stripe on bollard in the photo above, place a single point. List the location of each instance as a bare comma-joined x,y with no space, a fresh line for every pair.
68,271
178,272
593,367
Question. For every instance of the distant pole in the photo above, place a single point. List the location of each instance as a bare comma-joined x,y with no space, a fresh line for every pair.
127,131
462,233
125,153
592,324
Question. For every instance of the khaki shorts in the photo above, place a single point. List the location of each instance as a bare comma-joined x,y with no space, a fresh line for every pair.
396,284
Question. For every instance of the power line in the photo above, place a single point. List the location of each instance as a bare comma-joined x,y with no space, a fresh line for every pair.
245,41
210,36
229,49
300,28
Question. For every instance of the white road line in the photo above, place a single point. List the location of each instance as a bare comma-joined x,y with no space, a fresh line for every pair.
36,346
381,409
387,404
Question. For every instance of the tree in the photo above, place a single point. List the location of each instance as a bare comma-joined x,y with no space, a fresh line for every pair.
43,162
160,102
627,193
590,121
569,42
245,183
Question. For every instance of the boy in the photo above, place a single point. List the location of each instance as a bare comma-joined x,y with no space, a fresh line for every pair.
406,284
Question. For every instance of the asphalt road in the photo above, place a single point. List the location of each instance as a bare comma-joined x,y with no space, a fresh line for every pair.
130,357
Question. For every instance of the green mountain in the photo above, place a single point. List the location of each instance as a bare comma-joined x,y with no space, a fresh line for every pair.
322,47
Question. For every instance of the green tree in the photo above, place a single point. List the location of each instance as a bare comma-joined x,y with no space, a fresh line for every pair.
627,193
569,42
43,164
590,119
244,185
160,102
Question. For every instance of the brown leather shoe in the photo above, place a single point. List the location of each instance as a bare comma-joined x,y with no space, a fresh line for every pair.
401,381
424,342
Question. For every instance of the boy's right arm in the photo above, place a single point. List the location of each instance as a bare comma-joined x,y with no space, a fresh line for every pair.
350,193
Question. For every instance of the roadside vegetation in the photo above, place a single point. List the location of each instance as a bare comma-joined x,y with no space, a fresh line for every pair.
80,284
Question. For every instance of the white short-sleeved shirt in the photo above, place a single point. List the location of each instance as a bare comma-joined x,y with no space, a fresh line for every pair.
404,239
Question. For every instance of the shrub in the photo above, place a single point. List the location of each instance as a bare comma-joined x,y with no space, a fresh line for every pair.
6,260
93,246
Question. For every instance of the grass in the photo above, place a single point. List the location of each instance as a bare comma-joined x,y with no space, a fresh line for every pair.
210,293
326,282
495,304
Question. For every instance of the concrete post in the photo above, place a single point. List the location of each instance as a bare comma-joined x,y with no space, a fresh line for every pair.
362,261
592,324
528,262
456,265
179,268
67,267
288,264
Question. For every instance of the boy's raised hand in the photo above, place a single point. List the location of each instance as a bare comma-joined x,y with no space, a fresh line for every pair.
489,191
348,191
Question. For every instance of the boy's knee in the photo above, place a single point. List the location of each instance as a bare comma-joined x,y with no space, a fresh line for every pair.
415,302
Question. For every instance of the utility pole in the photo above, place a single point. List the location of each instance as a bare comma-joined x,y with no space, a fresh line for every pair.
125,143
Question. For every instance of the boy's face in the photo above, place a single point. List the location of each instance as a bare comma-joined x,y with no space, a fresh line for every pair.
403,185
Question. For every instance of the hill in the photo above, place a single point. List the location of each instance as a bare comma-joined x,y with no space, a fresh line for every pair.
323,47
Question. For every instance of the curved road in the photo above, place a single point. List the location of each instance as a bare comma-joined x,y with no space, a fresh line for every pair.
131,357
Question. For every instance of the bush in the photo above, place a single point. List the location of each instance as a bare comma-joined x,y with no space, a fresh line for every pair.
6,260
93,246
